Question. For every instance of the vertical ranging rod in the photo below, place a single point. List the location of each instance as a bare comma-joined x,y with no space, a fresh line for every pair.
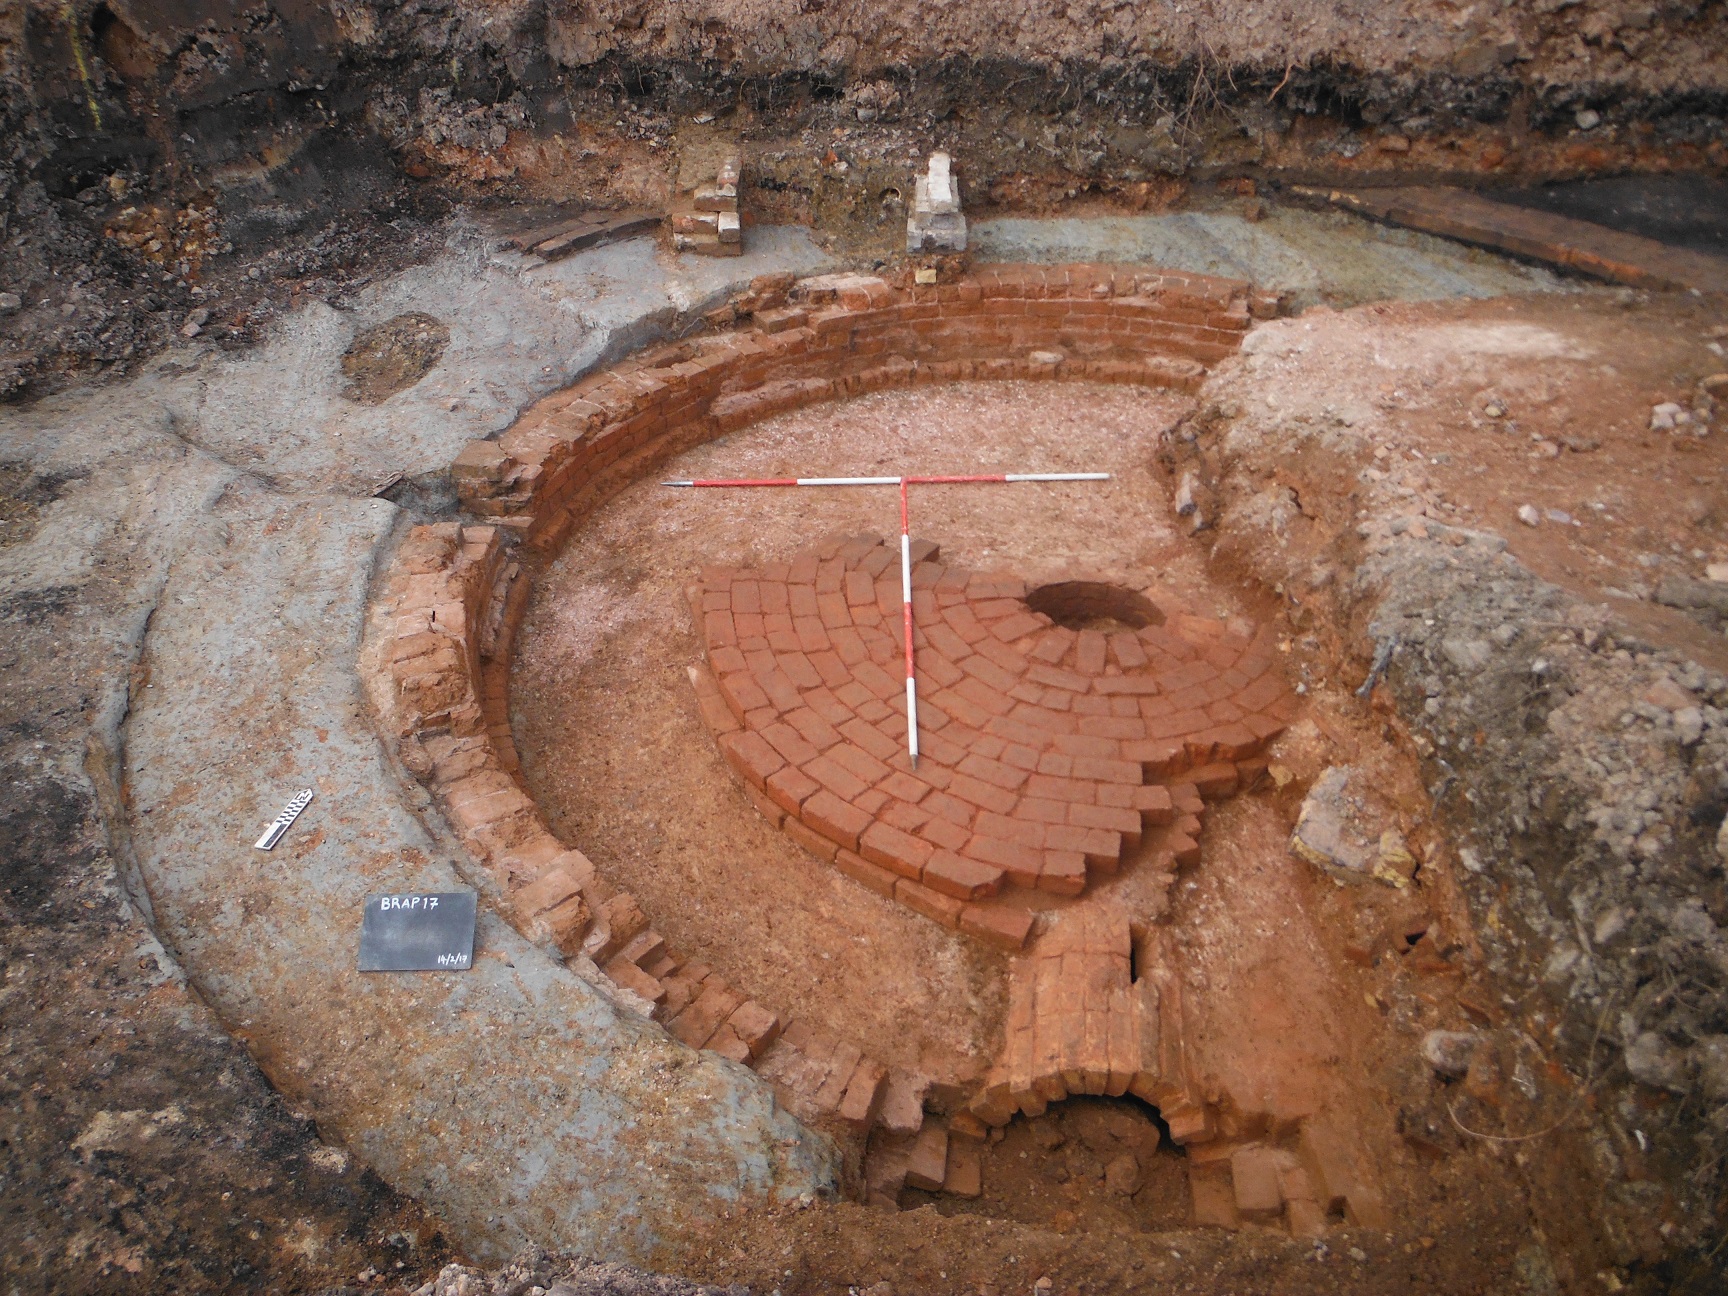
906,597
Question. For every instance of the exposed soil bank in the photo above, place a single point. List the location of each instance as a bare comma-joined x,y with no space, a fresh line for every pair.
157,159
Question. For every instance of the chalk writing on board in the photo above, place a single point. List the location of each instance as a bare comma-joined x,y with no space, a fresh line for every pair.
418,932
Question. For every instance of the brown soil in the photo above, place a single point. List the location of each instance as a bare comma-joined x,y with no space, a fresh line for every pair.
394,355
1576,384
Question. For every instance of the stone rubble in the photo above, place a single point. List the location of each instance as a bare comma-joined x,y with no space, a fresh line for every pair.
934,222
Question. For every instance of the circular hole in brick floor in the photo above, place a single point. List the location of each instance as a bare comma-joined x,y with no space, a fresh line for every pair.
1094,605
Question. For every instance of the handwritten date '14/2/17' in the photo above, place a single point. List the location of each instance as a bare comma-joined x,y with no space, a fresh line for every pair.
424,932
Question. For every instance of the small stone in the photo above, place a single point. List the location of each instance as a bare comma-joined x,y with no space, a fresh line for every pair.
1722,840
1653,1061
1668,695
1468,655
9,302
1666,416
1122,1175
1710,1059
1717,572
1714,385
1689,723
1558,515
1587,118
1046,357
1504,634
1494,410
1449,1052
1528,515
1185,503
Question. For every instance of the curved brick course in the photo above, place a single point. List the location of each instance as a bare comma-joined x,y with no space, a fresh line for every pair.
1046,752
456,591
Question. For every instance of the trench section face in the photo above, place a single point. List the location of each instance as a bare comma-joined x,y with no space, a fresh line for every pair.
1093,1005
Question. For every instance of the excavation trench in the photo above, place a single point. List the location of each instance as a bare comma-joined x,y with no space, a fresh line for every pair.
1067,969
927,960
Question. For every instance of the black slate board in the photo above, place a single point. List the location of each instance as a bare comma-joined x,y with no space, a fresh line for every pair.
418,933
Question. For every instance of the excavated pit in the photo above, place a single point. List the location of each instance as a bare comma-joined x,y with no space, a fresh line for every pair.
614,747
656,734
1486,538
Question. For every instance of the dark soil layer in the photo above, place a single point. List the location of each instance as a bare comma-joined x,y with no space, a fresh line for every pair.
172,166
1687,210
140,1147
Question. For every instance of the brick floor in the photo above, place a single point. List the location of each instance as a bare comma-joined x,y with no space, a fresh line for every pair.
1046,752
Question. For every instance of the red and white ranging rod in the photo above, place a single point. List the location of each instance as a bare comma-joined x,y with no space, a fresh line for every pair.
970,479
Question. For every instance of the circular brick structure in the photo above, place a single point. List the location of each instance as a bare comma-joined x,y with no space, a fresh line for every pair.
1070,726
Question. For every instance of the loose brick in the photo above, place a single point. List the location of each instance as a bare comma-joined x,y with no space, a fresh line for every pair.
623,972
751,756
1099,847
835,778
1121,821
790,744
983,795
809,839
1107,771
773,813
994,772
927,1164
1022,864
756,1026
1254,1177
790,787
895,850
1214,782
860,764
907,818
998,924
842,1065
702,1018
815,730
1063,873
726,1043
863,1095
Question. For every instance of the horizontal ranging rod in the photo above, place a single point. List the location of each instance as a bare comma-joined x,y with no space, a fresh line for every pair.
968,479
974,479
